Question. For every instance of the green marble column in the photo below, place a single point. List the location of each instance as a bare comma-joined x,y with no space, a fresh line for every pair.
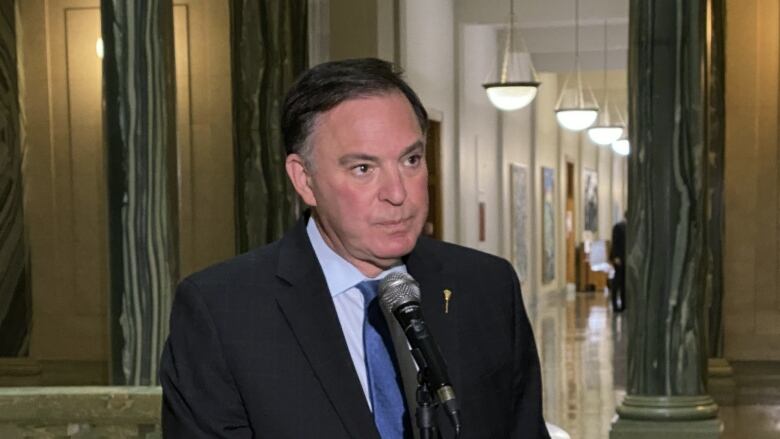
722,385
15,294
268,41
714,70
667,259
139,97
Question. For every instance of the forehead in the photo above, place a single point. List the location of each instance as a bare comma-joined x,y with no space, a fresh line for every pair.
380,119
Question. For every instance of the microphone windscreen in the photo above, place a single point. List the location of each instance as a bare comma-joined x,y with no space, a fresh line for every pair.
397,289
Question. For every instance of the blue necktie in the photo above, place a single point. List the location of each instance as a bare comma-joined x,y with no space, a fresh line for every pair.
384,379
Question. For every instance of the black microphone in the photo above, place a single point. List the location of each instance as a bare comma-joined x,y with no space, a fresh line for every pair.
399,294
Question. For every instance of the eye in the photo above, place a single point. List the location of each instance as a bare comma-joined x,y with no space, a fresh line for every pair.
414,160
361,169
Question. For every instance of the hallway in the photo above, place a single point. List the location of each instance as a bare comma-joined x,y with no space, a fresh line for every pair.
582,345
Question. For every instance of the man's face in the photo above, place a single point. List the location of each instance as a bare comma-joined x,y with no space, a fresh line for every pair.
369,181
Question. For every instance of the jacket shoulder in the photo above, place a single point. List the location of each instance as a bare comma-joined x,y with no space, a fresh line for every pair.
247,268
459,258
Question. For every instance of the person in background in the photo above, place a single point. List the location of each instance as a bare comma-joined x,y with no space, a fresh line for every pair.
617,255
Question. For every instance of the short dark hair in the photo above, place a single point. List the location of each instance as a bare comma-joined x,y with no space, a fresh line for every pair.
326,85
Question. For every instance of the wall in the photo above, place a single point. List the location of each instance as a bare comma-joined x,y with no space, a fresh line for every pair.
427,52
552,145
359,28
619,188
517,133
479,168
353,29
65,188
204,133
751,307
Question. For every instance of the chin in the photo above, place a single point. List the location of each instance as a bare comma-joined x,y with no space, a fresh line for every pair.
396,248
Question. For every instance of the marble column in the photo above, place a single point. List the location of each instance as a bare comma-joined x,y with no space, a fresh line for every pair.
667,257
721,376
15,294
268,42
139,99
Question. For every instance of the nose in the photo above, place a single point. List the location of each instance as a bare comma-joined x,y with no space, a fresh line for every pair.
393,187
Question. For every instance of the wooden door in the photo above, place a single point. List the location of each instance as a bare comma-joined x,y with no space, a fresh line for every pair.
570,219
433,225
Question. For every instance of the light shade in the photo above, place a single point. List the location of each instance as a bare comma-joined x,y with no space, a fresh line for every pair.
621,146
605,135
99,47
576,119
509,96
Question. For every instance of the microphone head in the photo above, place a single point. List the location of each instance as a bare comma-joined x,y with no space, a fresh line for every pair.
398,289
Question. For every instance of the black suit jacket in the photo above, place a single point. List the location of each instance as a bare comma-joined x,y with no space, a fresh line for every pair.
618,249
256,349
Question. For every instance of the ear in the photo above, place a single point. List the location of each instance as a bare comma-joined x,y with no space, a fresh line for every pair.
300,178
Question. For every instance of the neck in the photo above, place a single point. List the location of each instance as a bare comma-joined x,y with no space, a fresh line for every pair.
369,267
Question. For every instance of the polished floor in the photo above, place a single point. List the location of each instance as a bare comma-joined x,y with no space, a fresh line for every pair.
582,347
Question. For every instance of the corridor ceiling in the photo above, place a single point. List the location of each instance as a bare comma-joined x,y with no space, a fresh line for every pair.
548,29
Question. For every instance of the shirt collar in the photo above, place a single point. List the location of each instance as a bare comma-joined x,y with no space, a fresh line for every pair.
340,275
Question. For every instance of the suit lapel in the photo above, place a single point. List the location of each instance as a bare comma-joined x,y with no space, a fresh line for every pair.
309,309
424,266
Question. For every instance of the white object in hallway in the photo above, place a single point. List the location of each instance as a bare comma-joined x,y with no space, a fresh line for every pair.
557,432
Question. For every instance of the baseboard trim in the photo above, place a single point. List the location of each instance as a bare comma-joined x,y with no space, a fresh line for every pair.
22,372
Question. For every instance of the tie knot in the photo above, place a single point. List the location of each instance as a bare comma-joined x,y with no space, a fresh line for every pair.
369,289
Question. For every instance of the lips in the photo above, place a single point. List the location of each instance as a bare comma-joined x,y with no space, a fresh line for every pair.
394,223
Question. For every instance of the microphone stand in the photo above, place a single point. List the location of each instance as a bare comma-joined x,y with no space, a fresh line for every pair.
426,408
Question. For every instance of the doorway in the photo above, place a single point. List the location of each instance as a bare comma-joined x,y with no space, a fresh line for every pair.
434,223
570,218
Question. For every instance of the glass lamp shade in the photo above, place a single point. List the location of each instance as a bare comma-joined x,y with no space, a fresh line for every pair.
605,135
510,96
621,146
576,119
99,50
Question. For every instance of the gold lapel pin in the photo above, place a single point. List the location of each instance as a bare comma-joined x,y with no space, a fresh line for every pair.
447,295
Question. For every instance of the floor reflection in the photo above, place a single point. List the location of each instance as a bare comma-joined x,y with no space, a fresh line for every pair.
751,421
582,348
579,341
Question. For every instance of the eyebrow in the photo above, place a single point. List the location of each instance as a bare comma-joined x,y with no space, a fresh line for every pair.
419,144
360,157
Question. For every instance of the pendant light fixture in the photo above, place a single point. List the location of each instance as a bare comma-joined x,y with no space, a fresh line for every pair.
605,132
510,93
576,114
622,146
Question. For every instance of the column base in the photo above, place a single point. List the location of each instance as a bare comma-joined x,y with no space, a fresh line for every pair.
721,383
629,429
719,368
669,417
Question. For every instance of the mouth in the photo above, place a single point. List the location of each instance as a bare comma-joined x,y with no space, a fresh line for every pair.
395,223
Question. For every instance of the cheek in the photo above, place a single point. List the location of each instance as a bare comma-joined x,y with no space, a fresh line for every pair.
419,192
354,205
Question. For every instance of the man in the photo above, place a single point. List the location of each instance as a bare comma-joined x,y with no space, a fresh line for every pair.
617,254
285,341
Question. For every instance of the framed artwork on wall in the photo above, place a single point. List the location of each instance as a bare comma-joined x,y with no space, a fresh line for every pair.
519,220
590,204
548,225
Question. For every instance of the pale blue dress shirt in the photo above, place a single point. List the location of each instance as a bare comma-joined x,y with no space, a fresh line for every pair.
341,277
